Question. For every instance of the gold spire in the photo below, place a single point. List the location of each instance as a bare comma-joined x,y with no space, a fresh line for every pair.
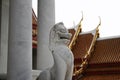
87,56
76,34
98,26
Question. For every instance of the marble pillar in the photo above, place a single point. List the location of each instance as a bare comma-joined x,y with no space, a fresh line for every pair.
0,22
0,19
20,40
46,20
4,36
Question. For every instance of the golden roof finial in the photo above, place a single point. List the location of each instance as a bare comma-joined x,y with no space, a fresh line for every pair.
87,56
76,33
97,29
99,22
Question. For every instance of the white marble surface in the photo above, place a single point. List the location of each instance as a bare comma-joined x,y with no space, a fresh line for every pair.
35,74
4,36
46,19
20,40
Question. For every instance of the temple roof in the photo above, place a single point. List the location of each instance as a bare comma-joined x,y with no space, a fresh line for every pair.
34,18
34,30
82,44
106,49
105,56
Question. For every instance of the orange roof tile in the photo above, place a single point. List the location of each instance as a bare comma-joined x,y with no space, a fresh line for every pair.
106,51
82,45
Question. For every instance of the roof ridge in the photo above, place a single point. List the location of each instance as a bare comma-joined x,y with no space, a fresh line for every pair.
108,37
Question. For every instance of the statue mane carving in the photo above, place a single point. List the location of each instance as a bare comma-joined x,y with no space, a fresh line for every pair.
62,55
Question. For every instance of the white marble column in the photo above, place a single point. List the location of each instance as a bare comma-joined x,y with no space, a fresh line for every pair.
20,40
4,36
46,20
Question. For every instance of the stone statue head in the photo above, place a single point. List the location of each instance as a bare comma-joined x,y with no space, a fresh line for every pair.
58,36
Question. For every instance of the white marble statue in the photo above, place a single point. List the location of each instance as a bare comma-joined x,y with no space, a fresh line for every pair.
62,55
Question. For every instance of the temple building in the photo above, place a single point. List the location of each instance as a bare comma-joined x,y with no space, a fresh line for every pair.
100,56
24,40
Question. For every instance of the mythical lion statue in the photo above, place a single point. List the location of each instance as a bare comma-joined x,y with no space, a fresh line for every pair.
62,55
